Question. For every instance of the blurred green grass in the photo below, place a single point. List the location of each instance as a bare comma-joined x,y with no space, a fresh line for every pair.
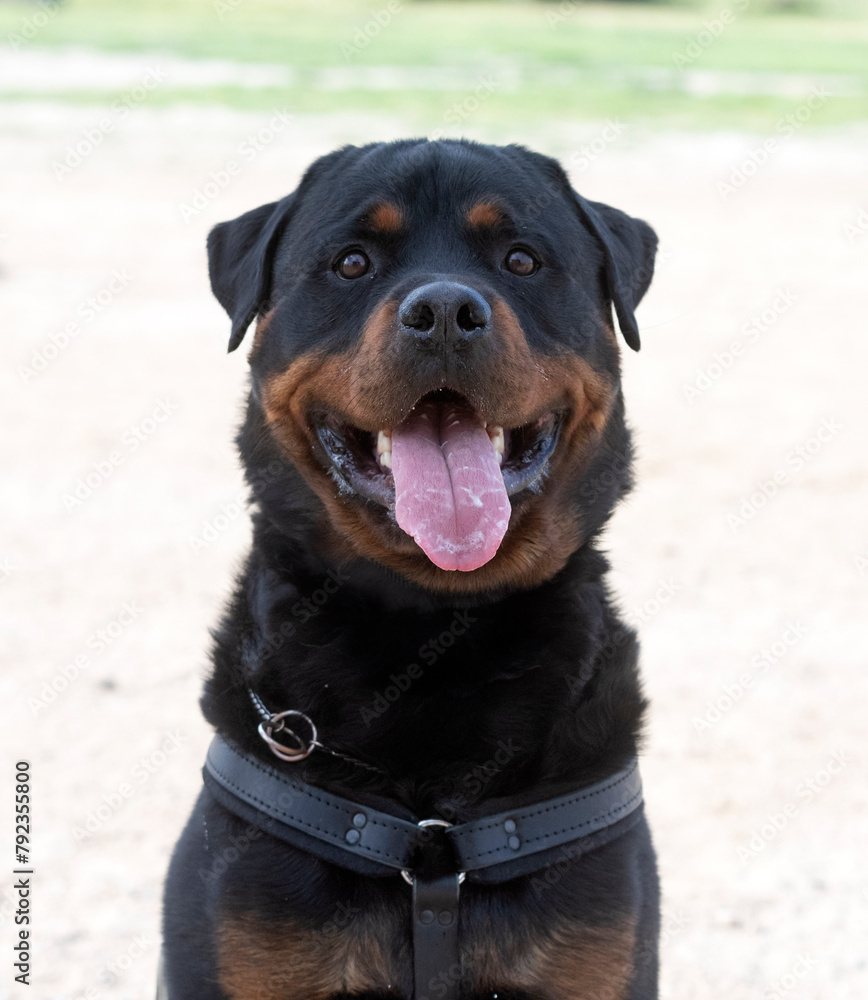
570,60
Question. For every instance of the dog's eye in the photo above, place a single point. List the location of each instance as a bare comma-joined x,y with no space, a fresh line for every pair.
353,265
520,262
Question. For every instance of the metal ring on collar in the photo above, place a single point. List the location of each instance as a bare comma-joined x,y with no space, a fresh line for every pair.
408,878
276,724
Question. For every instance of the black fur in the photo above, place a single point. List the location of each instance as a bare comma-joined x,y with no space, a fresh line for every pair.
537,690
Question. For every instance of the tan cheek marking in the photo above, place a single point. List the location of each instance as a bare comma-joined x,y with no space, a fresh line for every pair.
541,538
259,960
534,382
386,218
483,213
354,379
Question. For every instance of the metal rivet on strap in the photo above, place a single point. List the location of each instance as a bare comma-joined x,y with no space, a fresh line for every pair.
359,820
509,825
352,836
514,843
426,917
445,917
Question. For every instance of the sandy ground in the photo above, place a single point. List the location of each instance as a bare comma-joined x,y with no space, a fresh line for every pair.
752,612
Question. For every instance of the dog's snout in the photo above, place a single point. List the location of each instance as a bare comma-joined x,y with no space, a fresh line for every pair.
444,312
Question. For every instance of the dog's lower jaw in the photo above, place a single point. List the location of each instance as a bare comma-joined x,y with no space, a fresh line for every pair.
308,519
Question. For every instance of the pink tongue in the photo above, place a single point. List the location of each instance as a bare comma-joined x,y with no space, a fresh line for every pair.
449,493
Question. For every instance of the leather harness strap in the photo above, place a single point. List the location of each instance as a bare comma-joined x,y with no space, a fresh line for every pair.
334,828
436,962
372,842
390,843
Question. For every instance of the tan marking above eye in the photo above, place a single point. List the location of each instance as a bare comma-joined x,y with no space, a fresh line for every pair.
484,213
386,218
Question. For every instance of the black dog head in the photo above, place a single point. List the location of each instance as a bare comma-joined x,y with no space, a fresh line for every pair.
435,357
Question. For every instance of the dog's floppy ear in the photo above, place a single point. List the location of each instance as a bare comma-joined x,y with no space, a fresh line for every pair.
630,246
240,254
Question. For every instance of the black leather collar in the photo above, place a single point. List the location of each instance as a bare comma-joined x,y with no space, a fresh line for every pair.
371,842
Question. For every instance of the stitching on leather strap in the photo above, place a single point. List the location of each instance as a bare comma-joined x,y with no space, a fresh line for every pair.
277,813
475,830
624,807
520,815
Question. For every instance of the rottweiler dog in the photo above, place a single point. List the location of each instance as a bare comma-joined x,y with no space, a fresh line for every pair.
434,439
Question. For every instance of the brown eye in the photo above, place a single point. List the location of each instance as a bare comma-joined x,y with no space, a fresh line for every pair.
521,263
353,265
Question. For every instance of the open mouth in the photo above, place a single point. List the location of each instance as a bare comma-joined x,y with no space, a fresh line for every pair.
445,474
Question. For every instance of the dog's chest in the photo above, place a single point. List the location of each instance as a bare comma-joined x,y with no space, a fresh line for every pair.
360,951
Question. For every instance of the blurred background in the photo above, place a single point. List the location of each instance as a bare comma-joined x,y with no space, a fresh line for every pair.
739,130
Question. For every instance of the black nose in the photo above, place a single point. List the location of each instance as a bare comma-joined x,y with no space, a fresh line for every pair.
444,312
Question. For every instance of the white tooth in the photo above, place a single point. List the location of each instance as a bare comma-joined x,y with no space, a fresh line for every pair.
386,459
497,439
499,457
384,442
